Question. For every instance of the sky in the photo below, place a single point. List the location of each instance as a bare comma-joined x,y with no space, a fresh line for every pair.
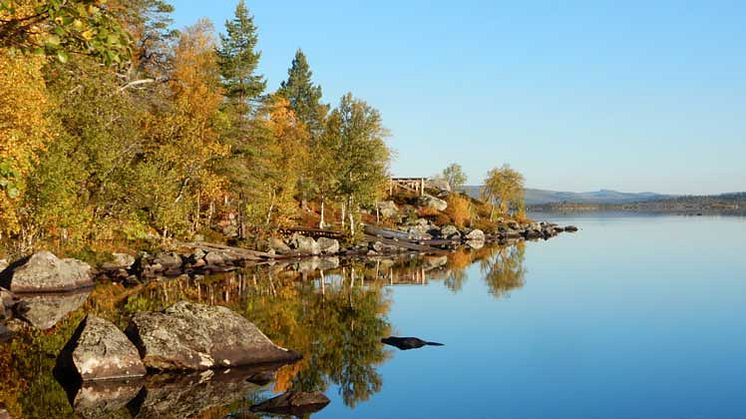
577,95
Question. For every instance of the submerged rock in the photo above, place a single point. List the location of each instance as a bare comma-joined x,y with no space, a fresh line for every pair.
43,311
44,272
408,343
292,403
188,336
571,229
98,350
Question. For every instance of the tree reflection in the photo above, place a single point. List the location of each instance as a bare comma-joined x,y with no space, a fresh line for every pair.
504,270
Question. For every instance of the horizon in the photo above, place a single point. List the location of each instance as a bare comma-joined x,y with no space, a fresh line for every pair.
577,98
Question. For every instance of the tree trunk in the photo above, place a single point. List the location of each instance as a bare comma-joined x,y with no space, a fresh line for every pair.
321,222
344,208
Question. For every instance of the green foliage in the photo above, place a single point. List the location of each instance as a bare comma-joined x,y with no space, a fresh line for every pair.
59,27
304,96
455,176
239,58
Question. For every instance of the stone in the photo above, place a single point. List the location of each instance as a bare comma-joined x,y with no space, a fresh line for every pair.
189,336
293,403
306,245
571,229
388,209
168,261
432,202
476,235
450,232
214,259
3,264
440,184
279,246
98,350
328,246
44,311
119,261
4,414
45,272
475,244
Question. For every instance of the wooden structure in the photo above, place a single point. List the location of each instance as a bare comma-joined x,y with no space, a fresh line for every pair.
414,184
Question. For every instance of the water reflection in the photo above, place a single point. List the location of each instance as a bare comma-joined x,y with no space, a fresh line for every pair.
335,315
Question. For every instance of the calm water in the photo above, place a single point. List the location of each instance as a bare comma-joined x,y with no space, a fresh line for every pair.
632,317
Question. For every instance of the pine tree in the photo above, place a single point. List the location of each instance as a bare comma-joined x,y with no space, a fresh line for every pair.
239,58
303,95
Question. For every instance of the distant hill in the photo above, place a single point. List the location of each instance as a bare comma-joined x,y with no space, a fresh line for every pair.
604,196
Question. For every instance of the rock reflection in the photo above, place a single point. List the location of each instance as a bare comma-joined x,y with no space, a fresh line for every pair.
44,311
335,312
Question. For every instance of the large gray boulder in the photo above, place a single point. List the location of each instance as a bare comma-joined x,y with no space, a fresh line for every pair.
45,272
98,350
189,336
432,202
328,246
306,245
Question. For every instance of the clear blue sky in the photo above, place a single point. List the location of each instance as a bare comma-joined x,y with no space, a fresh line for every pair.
633,95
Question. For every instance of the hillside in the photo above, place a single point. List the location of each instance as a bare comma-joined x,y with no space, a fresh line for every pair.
604,196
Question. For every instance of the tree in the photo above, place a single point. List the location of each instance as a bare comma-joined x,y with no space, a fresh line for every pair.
455,176
239,59
304,96
280,152
503,187
24,130
356,138
184,139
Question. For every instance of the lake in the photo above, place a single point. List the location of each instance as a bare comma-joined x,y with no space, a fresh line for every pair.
631,317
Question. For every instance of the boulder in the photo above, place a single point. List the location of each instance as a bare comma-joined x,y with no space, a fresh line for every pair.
44,272
476,235
328,246
475,244
571,229
170,262
189,336
44,311
292,403
214,259
305,245
440,184
98,350
432,202
119,261
450,232
388,209
279,246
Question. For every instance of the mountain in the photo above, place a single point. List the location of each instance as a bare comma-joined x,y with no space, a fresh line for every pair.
604,196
